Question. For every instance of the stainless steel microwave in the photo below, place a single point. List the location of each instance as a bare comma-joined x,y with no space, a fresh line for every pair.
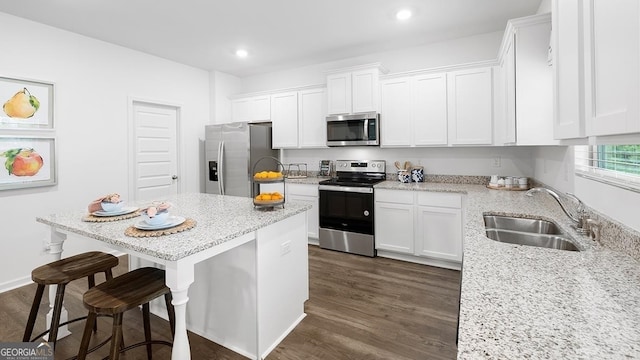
353,130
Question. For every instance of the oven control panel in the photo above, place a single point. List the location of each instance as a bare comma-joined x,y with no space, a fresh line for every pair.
363,166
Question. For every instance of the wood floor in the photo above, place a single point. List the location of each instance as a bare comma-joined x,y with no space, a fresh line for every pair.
358,308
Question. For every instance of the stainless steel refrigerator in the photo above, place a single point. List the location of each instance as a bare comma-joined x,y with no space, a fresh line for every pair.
231,151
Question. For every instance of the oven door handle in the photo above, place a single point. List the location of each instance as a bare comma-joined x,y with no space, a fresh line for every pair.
362,190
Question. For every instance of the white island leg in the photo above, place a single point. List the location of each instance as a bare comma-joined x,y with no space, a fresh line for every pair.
178,278
55,248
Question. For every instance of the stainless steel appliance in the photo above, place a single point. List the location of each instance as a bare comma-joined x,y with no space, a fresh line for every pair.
231,151
346,207
353,130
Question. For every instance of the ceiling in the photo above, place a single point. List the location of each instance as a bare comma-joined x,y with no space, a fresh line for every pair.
278,34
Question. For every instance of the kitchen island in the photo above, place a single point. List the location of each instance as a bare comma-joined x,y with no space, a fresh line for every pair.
248,267
524,302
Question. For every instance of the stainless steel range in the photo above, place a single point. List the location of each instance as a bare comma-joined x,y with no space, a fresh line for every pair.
346,206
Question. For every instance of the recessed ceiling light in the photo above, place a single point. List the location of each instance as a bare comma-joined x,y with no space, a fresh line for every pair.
403,14
241,53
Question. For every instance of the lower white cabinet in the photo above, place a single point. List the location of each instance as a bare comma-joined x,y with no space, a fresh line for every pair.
306,193
418,226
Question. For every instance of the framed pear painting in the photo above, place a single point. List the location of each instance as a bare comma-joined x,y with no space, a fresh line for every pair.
27,162
26,104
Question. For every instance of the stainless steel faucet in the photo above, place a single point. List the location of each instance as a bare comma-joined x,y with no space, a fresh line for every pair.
580,218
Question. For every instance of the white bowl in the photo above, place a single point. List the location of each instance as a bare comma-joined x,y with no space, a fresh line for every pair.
160,218
111,207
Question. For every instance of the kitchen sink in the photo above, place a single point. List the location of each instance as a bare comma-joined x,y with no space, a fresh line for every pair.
530,232
521,224
531,239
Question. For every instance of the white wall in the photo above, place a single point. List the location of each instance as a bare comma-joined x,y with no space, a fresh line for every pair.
545,7
458,51
93,82
222,86
515,161
553,165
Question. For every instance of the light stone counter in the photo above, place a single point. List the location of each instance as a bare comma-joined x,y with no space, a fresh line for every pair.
219,219
523,302
310,180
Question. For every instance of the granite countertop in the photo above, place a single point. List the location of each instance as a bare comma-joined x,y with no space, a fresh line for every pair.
310,180
219,219
529,302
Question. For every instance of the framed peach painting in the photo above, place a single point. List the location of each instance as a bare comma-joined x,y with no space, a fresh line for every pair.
27,162
26,104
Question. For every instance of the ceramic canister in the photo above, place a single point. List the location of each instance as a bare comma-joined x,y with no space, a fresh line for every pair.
404,176
417,174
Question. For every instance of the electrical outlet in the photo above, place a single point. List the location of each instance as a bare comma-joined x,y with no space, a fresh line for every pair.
496,161
285,248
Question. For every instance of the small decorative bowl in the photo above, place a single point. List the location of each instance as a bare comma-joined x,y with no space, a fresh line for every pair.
158,219
111,207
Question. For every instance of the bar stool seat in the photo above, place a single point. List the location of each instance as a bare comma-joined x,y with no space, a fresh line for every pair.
61,273
114,297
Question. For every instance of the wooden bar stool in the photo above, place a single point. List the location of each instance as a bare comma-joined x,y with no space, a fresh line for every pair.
114,297
61,273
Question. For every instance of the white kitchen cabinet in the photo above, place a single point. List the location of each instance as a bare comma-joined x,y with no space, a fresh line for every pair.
568,69
429,97
252,108
528,82
509,67
354,90
470,106
396,112
312,113
394,221
299,119
284,118
612,73
423,227
307,193
439,226
414,110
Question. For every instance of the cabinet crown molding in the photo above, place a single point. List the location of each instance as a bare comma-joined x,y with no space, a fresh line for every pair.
440,69
377,65
277,91
514,24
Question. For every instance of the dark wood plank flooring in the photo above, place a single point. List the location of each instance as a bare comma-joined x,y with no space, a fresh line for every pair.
359,308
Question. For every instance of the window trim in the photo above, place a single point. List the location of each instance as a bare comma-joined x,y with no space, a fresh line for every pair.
594,172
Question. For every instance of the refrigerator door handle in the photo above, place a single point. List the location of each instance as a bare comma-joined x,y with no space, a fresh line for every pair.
221,169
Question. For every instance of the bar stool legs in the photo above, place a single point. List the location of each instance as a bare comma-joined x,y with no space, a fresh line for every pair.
115,297
60,273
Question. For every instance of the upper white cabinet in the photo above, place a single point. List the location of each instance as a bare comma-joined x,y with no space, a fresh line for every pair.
414,110
470,106
568,69
252,108
312,113
353,90
612,58
396,112
596,52
429,97
284,118
527,82
298,119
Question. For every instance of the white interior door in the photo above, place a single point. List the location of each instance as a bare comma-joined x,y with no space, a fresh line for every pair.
155,150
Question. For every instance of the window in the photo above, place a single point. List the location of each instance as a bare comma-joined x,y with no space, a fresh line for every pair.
617,165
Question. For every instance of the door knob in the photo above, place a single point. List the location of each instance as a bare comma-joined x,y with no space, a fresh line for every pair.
174,177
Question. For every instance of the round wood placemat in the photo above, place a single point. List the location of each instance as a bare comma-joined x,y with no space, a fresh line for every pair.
135,232
93,218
